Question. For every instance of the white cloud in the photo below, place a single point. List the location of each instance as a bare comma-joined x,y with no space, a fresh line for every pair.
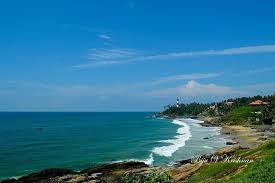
102,57
89,97
105,36
190,89
193,76
175,55
110,54
95,64
194,89
228,51
255,71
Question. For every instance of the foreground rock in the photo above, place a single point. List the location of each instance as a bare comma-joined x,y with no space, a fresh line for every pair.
114,167
99,174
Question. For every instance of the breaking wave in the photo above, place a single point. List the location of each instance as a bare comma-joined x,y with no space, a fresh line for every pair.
148,161
184,134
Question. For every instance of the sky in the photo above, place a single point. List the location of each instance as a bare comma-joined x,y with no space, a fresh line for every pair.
127,55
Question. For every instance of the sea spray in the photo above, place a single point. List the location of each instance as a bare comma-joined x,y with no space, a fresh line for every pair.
177,142
148,161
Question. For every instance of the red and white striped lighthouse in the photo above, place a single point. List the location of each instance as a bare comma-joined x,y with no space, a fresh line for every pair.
178,102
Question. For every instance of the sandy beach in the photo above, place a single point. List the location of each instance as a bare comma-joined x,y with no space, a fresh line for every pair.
248,136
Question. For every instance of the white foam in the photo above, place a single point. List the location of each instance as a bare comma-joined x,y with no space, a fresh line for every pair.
216,130
95,175
13,177
177,142
193,120
207,147
148,161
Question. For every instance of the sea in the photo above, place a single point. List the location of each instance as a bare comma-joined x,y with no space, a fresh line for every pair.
33,141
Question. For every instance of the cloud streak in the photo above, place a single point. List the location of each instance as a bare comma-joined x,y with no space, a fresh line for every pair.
110,54
105,36
113,59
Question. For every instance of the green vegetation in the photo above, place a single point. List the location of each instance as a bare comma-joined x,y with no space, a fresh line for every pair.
240,115
236,114
191,109
152,177
211,172
260,171
264,150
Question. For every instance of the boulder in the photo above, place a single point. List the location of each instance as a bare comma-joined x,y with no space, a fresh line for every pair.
113,167
44,174
231,143
8,181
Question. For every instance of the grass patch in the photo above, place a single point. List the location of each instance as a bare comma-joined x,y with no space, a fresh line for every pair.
262,170
260,151
213,172
152,177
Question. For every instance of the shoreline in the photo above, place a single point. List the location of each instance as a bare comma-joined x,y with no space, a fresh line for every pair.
238,137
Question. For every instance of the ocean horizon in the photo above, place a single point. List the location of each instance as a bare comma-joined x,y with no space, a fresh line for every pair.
33,141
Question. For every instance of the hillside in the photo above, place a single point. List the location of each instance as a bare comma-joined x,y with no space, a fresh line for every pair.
261,170
236,111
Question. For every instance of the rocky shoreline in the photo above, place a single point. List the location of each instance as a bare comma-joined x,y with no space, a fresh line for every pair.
103,173
239,137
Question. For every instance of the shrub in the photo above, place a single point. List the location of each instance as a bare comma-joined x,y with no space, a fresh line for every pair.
152,177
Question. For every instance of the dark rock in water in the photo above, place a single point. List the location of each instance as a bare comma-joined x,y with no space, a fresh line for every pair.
44,174
183,162
227,133
9,181
116,166
231,143
206,138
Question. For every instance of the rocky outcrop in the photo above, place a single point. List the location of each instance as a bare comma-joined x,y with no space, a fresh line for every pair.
114,167
109,172
182,172
231,143
45,175
9,181
99,174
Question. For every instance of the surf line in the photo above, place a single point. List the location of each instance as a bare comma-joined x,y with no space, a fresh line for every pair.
183,134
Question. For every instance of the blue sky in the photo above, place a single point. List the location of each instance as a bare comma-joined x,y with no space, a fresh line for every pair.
131,55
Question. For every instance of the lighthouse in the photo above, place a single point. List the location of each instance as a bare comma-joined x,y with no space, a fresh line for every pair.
178,103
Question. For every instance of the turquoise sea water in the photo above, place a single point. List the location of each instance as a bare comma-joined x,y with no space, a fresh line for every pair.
34,141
